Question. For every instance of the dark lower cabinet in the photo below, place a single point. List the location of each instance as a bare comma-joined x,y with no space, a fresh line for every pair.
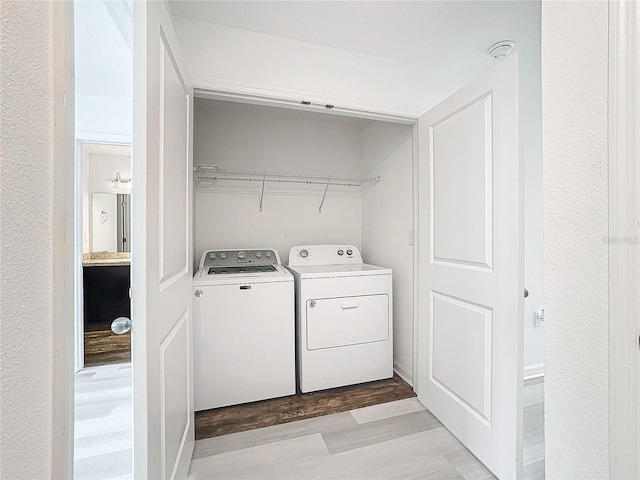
106,295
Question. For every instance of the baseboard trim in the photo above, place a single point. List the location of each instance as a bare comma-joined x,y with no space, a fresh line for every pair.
406,376
534,371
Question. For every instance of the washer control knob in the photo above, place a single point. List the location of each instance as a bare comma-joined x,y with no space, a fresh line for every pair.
340,252
212,255
268,254
304,253
242,255
258,254
223,255
349,252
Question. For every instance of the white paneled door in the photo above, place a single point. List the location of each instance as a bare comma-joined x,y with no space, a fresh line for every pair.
161,249
470,330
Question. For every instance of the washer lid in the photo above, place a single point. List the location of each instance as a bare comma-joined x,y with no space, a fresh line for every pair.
332,271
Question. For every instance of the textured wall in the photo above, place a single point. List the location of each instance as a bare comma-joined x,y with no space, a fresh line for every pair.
26,241
574,100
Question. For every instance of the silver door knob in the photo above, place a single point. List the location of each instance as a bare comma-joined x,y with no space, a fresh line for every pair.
121,325
526,293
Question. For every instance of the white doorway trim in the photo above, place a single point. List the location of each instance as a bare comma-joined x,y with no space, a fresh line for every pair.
63,243
624,246
293,100
256,94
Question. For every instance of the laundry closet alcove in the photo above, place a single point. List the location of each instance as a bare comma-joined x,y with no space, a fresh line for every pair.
319,187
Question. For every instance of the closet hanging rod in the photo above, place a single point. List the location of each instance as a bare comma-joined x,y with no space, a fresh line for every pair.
210,172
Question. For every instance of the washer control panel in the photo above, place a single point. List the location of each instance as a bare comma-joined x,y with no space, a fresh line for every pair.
324,255
234,258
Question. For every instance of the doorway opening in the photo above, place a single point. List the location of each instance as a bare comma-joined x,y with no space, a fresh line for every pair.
103,417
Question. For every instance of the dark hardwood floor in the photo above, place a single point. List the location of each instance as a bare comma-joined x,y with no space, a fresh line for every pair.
239,418
103,347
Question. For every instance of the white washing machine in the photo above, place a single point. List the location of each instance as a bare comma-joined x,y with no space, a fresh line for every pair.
344,317
244,345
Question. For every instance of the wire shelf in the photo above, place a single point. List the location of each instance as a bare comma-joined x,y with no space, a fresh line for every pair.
207,172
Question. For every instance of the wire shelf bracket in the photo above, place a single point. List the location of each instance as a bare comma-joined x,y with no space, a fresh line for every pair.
207,175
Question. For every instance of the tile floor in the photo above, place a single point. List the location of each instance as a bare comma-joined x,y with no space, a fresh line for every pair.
394,440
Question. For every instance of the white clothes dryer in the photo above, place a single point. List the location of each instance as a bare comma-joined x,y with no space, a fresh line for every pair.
244,346
344,317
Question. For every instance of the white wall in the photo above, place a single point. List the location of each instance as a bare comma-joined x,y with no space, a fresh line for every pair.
103,68
531,118
26,234
229,54
239,136
387,217
574,94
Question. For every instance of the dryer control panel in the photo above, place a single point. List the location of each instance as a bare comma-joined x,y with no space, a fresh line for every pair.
324,255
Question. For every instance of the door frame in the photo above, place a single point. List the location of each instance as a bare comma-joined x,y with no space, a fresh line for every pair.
624,244
82,138
63,251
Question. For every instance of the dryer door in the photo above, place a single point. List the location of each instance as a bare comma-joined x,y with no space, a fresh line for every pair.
342,321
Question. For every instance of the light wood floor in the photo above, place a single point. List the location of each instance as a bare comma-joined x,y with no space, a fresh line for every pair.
103,433
393,440
398,439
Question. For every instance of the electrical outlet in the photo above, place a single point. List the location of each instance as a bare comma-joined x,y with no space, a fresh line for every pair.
411,236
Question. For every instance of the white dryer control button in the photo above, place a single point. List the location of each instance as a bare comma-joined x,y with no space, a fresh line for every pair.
258,254
223,255
340,252
349,252
304,253
268,254
212,255
242,255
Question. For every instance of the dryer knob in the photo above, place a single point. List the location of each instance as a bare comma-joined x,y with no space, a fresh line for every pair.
258,254
349,252
267,254
212,255
304,253
242,255
340,252
223,255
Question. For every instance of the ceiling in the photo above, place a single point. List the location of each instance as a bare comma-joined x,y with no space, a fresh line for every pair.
422,32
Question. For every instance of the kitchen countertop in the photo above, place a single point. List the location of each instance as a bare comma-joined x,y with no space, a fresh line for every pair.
97,259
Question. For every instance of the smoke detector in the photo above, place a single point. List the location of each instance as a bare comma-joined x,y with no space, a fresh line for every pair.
501,49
